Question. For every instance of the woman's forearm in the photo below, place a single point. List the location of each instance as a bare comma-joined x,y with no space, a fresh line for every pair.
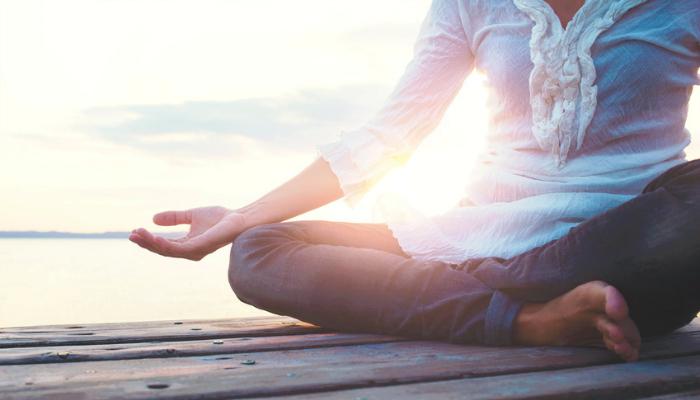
312,188
212,228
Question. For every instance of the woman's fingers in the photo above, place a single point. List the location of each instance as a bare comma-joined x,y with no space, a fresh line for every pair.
191,246
199,246
166,247
217,236
179,249
151,242
181,239
170,248
142,239
170,218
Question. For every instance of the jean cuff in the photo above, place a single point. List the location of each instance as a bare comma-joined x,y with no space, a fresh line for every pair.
500,315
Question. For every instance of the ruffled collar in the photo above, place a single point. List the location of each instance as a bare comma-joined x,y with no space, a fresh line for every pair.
562,89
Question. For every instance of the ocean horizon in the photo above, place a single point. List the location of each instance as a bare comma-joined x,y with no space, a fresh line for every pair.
30,234
70,280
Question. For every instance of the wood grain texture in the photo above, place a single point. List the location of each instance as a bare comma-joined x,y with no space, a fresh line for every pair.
259,357
151,331
127,351
306,370
607,382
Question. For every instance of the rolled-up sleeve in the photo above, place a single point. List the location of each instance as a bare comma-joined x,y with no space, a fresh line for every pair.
441,61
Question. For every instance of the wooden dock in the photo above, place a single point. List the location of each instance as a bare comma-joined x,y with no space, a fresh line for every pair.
281,357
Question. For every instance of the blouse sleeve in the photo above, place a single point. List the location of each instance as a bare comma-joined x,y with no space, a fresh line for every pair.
441,61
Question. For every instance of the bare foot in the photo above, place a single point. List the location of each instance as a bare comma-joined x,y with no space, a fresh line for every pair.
592,314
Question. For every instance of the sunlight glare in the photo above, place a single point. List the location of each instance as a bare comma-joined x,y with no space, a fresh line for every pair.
433,179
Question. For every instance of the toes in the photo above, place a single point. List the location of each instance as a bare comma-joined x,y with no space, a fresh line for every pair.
615,304
610,330
623,349
626,351
621,337
601,297
631,332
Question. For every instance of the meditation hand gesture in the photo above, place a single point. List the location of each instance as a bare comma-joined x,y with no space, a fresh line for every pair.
210,229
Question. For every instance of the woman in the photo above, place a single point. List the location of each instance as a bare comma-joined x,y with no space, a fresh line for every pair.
579,227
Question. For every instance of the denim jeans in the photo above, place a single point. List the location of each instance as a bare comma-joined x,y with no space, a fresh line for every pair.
354,277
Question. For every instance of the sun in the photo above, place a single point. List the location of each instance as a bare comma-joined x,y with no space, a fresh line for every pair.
433,179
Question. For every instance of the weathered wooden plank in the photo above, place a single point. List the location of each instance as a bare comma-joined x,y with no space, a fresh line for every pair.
305,370
127,351
613,382
152,331
693,326
143,324
115,333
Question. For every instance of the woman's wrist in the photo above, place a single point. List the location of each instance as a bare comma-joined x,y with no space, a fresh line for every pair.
313,187
253,214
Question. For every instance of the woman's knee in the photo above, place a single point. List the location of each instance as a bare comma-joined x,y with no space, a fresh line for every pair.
682,181
249,251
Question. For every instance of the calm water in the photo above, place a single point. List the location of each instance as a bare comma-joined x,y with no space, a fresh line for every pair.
57,281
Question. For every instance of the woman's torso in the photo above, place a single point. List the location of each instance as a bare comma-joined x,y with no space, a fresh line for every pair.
644,67
624,75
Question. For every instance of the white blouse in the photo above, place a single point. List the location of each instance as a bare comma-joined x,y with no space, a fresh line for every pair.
582,117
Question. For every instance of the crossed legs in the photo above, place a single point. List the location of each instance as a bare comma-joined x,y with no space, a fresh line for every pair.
354,277
630,272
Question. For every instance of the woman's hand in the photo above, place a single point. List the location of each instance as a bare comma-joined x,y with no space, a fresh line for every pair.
210,229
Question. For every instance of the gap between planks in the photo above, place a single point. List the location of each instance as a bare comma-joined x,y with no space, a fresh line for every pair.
277,373
354,366
129,351
676,378
69,335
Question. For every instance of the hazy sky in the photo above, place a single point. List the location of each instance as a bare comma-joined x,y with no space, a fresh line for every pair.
112,110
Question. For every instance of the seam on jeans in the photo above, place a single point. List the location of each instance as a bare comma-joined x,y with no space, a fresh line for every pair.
498,326
491,322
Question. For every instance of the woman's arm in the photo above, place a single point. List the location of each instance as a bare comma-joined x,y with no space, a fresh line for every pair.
442,59
312,188
214,227
349,166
